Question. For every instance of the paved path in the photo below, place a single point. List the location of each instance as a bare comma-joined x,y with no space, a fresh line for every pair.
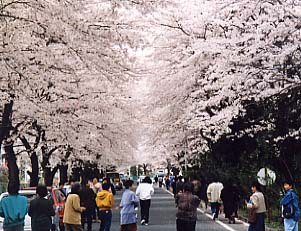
162,216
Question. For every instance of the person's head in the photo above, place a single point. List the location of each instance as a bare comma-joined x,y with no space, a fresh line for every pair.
255,187
41,191
188,187
85,183
287,185
106,186
147,179
75,188
61,185
13,189
95,180
128,184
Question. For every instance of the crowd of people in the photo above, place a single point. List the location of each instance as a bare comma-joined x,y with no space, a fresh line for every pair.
92,200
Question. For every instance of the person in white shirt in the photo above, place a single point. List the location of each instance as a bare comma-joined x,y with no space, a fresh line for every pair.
214,197
144,192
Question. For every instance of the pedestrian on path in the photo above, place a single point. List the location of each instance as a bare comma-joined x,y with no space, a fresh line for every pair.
257,202
290,207
187,204
144,192
105,202
13,208
129,202
87,200
73,210
230,199
41,210
96,187
214,197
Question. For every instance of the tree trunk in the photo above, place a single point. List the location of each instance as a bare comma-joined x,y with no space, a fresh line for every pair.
34,174
6,122
76,174
49,175
6,126
13,170
34,177
63,173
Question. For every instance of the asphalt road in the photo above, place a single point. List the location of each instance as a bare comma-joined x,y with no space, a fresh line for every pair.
163,216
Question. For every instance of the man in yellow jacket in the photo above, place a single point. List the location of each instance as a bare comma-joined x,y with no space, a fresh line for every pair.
105,202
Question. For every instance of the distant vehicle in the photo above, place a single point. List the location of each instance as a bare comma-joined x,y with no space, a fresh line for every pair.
115,178
160,172
123,177
54,195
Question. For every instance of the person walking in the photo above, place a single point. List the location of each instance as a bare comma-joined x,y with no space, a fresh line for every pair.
105,202
214,197
87,200
129,202
290,209
144,192
73,210
187,204
13,209
41,210
257,202
229,198
96,187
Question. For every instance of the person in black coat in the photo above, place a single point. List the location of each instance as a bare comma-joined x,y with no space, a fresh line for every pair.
87,200
230,199
40,211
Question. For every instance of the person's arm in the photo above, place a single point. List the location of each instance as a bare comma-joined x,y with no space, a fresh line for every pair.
286,199
112,202
209,193
1,210
135,200
76,204
152,190
50,208
30,209
138,190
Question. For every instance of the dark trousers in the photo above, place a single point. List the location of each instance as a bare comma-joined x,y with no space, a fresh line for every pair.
215,208
70,227
129,227
183,225
145,205
105,219
87,218
259,223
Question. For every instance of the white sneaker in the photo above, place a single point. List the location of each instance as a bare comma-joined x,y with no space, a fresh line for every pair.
142,222
146,224
213,216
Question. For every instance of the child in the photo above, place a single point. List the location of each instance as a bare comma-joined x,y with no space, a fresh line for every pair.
290,201
105,202
129,202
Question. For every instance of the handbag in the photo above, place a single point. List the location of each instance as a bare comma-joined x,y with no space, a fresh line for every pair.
252,215
288,211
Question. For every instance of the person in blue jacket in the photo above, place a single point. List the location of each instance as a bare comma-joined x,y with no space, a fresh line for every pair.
129,202
13,208
290,199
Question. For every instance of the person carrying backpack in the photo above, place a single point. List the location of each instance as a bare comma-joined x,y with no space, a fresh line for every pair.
290,210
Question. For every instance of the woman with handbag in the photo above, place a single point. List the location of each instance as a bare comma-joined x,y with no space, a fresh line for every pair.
290,210
257,208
